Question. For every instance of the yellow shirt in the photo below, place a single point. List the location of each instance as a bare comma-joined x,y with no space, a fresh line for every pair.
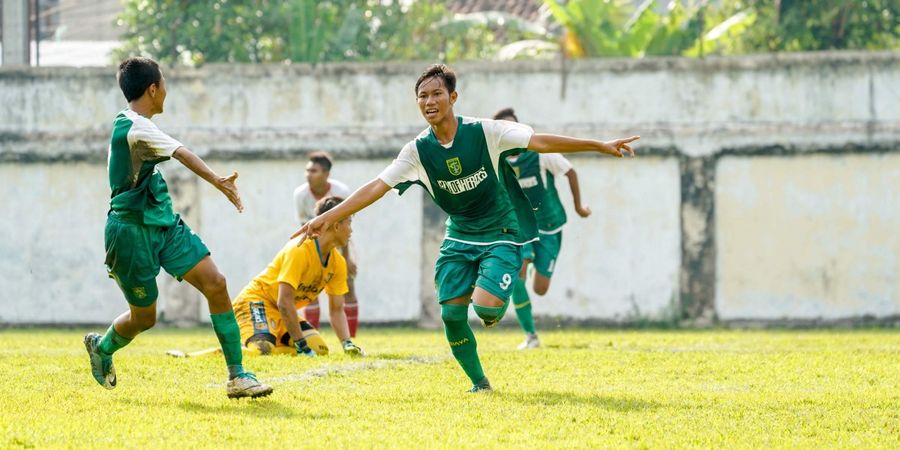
301,268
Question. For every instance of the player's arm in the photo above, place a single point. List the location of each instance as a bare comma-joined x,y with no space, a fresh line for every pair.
351,264
357,201
582,211
288,311
553,143
225,185
338,317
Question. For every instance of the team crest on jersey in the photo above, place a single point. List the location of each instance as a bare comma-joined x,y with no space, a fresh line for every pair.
139,292
454,166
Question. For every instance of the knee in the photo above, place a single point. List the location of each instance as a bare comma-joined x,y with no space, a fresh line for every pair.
215,284
454,313
541,285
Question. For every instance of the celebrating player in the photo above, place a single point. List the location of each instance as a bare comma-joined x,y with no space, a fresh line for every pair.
536,173
461,162
144,234
319,185
267,307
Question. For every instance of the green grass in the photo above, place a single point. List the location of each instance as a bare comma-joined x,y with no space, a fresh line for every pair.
584,389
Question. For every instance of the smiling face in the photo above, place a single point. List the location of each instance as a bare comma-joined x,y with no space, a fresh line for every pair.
435,101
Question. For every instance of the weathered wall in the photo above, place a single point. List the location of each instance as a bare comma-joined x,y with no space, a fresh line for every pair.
808,237
669,238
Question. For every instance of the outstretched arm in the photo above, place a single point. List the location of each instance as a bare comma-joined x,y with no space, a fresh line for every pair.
357,201
223,184
552,143
582,211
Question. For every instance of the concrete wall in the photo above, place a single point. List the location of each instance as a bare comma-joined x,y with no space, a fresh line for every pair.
808,237
743,161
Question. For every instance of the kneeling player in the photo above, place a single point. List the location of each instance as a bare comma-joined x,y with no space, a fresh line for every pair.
266,309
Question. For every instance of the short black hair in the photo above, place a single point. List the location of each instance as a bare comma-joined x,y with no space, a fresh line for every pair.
441,71
136,74
326,204
506,112
321,158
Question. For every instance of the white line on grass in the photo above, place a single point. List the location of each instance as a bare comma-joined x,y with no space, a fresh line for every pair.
343,369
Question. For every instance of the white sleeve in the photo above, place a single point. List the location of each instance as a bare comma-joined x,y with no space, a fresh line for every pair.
300,203
405,167
503,135
557,164
150,142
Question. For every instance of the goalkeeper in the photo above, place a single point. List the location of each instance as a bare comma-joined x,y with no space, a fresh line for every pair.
266,310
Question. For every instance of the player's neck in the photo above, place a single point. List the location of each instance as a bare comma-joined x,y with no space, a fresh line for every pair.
445,130
319,191
142,107
327,243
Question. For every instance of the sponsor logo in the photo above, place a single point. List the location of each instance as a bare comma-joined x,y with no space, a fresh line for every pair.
465,184
459,342
454,166
528,182
312,287
258,317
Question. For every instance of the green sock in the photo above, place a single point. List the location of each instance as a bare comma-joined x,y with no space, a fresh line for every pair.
229,335
523,306
112,341
490,313
462,340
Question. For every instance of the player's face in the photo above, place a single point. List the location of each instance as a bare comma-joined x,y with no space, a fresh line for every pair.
316,175
343,230
435,103
158,94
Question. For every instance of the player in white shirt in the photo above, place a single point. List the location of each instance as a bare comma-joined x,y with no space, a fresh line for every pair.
318,186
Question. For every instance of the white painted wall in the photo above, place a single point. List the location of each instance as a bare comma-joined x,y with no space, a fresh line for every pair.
51,242
808,237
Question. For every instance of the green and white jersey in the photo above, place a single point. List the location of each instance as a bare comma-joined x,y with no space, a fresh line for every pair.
537,173
139,192
470,180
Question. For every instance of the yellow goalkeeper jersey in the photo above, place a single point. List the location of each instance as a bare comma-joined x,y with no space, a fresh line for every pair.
302,268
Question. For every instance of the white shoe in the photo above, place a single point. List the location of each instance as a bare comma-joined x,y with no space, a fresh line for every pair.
531,341
246,385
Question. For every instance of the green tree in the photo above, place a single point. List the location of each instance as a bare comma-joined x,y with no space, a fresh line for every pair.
797,25
597,28
255,31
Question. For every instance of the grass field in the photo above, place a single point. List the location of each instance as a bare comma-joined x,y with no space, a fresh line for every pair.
584,389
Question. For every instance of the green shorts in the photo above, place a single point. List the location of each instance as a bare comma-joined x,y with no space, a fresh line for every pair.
135,252
460,267
543,253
